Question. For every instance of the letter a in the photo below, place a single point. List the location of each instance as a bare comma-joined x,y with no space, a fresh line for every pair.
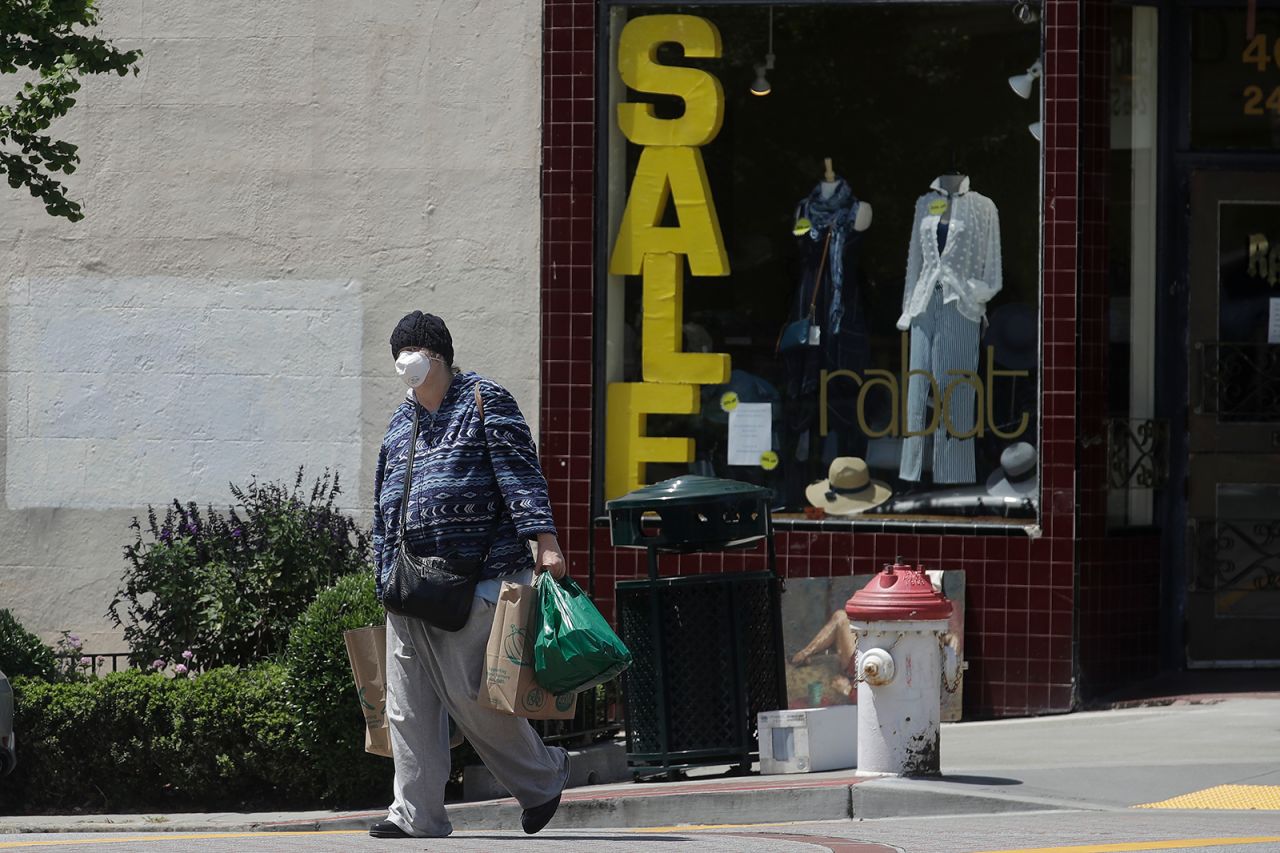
663,174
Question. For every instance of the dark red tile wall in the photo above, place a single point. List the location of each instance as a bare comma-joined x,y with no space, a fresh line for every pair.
568,140
1021,591
1119,576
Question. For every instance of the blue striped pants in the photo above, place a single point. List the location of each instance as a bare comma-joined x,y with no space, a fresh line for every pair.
941,340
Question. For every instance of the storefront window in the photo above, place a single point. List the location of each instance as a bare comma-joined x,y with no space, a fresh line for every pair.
1235,78
824,259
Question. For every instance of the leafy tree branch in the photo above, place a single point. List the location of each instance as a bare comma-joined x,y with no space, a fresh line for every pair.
47,40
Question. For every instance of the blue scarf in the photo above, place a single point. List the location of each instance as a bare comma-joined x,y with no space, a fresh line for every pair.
836,213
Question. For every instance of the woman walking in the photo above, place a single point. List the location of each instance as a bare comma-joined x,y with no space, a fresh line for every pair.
476,492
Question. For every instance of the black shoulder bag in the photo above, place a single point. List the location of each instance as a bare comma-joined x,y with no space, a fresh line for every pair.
437,590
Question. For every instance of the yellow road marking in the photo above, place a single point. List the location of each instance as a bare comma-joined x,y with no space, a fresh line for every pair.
1127,846
1254,797
172,836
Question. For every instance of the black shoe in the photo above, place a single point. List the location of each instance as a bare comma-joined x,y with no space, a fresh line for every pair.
537,817
388,829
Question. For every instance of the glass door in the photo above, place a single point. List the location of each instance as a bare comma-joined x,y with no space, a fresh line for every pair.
1233,602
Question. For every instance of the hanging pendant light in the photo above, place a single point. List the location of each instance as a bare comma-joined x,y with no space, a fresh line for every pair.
761,86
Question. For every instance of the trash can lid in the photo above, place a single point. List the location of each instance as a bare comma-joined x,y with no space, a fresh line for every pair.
686,489
899,593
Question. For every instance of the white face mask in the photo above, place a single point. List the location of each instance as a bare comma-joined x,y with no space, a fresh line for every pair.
412,368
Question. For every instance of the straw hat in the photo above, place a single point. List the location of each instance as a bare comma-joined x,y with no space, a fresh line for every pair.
1016,476
848,489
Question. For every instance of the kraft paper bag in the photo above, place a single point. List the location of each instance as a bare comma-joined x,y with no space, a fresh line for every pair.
367,650
508,685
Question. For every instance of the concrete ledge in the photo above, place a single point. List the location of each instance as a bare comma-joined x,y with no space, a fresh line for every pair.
672,809
600,764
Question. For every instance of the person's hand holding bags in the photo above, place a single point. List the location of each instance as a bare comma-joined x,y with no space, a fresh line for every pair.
550,559
574,647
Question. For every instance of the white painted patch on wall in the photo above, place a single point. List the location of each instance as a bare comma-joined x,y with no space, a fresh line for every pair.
123,392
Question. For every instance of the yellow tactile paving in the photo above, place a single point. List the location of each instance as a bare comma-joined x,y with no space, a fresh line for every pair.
1244,797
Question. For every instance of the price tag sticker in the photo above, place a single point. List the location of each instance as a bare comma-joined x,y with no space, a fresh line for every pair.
768,460
728,401
937,207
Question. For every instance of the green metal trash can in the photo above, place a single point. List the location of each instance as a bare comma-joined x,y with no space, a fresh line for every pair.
707,648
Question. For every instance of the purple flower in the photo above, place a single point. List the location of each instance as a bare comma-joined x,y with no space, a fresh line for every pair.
86,661
188,654
237,532
75,641
180,669
157,664
166,536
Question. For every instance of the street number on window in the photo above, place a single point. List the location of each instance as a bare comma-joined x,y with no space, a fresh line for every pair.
1256,105
1261,52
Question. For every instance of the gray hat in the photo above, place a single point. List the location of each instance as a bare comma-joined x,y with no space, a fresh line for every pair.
1016,476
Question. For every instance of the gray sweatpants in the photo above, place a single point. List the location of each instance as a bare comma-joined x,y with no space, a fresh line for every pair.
433,675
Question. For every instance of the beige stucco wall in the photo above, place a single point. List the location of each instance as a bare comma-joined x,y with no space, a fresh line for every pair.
275,189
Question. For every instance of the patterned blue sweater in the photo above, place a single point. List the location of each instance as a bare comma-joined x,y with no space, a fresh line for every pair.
464,476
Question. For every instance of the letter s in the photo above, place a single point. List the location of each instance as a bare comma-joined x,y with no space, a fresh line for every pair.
701,91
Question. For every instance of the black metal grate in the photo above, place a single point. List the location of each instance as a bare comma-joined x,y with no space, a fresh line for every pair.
706,662
1241,381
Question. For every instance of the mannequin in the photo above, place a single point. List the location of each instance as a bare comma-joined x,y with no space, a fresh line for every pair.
829,224
827,188
953,270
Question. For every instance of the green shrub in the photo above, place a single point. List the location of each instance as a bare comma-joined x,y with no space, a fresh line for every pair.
22,652
226,739
229,587
323,697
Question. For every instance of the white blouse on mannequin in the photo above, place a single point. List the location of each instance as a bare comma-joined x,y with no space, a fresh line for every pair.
968,266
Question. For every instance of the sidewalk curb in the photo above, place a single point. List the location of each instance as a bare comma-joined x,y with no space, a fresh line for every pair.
863,799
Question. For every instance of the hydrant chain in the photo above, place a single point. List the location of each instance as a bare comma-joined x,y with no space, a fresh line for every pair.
947,645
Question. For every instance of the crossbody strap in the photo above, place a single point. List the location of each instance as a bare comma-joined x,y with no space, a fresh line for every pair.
822,263
408,477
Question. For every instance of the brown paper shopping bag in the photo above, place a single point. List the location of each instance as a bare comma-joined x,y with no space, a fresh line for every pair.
508,685
367,649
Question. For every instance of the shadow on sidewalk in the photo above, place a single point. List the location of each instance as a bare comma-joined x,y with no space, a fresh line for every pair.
1191,686
961,779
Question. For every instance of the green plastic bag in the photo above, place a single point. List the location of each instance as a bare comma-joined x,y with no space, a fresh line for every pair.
574,649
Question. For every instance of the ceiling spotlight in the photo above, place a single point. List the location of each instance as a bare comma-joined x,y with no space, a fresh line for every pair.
1023,83
1036,129
761,86
1025,12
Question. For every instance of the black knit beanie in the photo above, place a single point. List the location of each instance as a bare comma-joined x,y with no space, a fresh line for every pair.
416,329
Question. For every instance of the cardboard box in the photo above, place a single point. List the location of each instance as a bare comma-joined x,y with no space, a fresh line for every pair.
808,740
